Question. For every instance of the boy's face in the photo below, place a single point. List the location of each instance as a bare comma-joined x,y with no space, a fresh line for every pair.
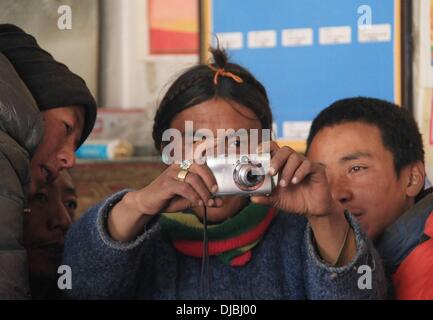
63,128
361,174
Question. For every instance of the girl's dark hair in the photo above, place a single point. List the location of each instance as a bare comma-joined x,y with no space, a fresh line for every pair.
196,85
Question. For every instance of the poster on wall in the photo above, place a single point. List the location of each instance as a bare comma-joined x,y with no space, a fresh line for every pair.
296,51
173,26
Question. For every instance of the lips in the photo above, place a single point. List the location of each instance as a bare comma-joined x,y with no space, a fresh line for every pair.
356,213
53,248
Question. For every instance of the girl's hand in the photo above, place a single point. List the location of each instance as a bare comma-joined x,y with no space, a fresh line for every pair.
165,194
302,185
303,188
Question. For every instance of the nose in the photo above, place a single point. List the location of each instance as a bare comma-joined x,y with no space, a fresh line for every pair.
60,219
66,158
340,189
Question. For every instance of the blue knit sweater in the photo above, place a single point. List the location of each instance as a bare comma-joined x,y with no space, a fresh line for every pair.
284,265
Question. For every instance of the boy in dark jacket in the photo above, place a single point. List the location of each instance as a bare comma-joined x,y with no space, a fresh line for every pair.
374,157
68,110
20,132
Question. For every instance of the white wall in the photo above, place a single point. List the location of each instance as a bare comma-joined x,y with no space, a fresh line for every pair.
130,77
423,89
77,48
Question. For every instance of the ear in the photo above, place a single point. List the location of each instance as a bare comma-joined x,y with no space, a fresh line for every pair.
415,178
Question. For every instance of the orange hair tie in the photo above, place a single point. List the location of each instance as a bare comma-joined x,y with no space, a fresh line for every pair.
221,72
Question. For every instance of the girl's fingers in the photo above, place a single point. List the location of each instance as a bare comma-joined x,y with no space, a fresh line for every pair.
178,204
200,187
206,175
303,170
268,147
218,202
292,164
202,170
185,190
279,159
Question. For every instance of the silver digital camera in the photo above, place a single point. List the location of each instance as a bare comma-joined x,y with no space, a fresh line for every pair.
242,174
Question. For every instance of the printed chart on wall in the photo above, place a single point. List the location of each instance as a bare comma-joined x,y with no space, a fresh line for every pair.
310,53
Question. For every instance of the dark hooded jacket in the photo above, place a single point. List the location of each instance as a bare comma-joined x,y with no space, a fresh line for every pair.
21,130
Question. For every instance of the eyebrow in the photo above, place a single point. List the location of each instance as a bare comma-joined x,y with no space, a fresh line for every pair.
355,156
71,191
233,135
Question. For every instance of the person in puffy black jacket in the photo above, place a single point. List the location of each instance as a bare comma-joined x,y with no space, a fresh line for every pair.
64,111
20,132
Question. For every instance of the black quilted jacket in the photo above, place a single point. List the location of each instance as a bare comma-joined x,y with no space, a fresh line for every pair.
20,132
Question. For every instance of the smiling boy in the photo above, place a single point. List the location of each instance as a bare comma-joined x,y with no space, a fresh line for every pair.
373,156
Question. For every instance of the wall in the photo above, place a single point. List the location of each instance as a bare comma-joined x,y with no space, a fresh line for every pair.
130,77
77,48
423,75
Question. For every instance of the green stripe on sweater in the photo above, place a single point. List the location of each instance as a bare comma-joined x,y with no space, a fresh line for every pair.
187,226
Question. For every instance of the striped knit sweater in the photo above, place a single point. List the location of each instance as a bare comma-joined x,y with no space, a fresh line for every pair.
284,265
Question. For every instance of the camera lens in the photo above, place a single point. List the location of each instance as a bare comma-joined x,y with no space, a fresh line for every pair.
248,176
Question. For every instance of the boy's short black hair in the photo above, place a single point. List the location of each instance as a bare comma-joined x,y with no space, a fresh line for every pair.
399,131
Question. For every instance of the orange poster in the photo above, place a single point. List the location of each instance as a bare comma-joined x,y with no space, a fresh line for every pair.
174,26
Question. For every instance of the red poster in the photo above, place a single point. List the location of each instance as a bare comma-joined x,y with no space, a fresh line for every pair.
174,26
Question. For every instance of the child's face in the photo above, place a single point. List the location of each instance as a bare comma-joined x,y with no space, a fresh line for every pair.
361,174
63,127
213,115
52,209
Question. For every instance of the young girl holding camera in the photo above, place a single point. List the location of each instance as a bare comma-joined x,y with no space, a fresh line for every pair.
174,240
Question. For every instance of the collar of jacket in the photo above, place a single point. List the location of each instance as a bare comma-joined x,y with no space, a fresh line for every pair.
406,233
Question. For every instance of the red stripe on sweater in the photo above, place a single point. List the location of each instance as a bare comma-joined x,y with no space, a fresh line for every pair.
241,260
194,248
